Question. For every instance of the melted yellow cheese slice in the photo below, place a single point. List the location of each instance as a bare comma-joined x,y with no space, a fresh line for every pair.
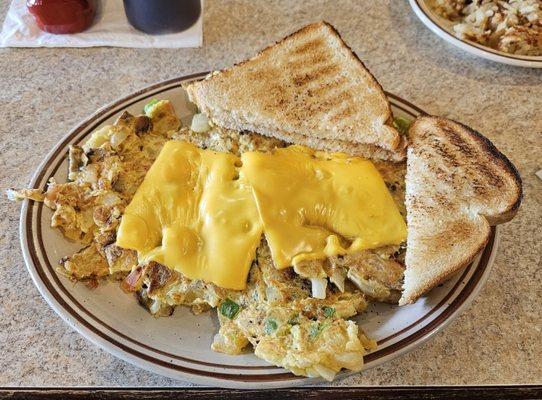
310,202
194,213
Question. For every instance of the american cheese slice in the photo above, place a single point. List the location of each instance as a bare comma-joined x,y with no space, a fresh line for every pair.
315,205
194,213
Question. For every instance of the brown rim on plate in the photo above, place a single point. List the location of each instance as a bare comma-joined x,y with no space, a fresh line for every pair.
88,126
431,16
80,134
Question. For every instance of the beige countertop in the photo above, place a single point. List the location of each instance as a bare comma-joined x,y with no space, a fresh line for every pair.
45,92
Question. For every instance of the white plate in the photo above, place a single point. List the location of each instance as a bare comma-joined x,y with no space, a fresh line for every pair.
443,28
179,346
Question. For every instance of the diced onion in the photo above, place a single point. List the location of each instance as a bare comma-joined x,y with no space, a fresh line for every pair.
319,288
117,138
89,175
272,294
200,123
110,199
155,307
351,360
370,287
325,372
338,277
13,195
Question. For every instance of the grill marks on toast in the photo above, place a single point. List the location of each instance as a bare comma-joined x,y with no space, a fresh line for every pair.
465,154
309,47
303,78
457,185
330,88
323,83
321,80
484,175
321,56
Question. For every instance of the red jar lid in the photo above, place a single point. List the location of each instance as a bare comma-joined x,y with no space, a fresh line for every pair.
62,16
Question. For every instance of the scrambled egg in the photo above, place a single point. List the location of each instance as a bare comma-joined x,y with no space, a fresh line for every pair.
276,315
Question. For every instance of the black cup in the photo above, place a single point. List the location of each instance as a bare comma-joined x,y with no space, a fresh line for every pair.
162,16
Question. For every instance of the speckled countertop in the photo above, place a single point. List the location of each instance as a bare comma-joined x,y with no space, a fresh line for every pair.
45,92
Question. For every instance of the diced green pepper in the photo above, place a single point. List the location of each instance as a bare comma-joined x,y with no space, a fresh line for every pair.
329,312
149,105
401,124
270,326
316,329
229,308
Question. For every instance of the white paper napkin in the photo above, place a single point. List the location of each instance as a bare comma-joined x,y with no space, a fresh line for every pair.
110,28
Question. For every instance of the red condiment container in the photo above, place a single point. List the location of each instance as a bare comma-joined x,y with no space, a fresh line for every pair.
62,16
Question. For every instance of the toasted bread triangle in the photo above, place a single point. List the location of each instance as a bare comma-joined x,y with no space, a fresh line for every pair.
309,88
457,185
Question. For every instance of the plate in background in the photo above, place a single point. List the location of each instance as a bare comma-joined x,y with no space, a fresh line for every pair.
443,28
179,346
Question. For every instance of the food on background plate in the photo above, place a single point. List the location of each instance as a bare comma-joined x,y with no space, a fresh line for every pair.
512,26
287,242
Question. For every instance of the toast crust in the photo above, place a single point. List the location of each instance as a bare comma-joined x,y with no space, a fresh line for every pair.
503,162
468,257
445,234
309,83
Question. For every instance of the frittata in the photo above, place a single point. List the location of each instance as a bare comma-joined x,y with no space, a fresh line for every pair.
276,315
